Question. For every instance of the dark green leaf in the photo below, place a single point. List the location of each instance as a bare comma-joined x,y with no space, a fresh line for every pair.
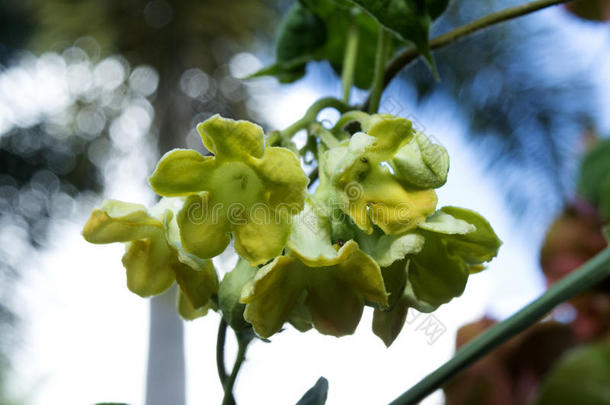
580,377
315,30
301,33
409,19
316,394
594,181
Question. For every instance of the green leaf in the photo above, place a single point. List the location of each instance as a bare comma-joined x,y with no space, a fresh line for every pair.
317,394
229,294
409,19
285,73
301,33
315,30
595,172
580,377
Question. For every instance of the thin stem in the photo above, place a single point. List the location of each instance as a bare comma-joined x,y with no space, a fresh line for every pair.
324,135
383,42
349,60
220,351
230,382
310,116
410,54
578,281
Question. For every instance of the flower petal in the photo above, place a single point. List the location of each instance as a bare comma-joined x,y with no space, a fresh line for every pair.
441,222
474,247
119,221
335,295
181,172
310,239
149,266
379,199
229,294
259,241
272,294
386,249
388,324
230,139
197,284
186,309
283,178
204,228
435,276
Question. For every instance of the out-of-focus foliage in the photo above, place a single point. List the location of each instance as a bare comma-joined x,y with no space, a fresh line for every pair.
318,30
512,373
594,179
580,377
188,42
14,27
519,109
596,10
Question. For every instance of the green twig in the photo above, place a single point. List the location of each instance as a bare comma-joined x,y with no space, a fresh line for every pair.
324,135
381,57
584,278
230,382
310,116
220,351
402,59
349,60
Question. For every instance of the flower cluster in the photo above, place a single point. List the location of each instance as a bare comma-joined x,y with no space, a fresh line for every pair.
369,235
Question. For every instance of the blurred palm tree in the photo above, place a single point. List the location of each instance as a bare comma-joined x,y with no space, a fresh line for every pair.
188,44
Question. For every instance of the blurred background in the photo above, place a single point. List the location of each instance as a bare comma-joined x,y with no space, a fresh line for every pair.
92,93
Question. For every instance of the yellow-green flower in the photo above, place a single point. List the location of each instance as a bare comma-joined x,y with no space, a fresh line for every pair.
316,281
244,189
457,242
367,189
153,258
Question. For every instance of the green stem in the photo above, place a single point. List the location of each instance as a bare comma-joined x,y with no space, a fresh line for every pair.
401,60
220,351
310,116
349,60
576,282
230,382
324,135
383,42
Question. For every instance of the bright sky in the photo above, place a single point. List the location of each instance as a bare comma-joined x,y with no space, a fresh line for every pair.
85,336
